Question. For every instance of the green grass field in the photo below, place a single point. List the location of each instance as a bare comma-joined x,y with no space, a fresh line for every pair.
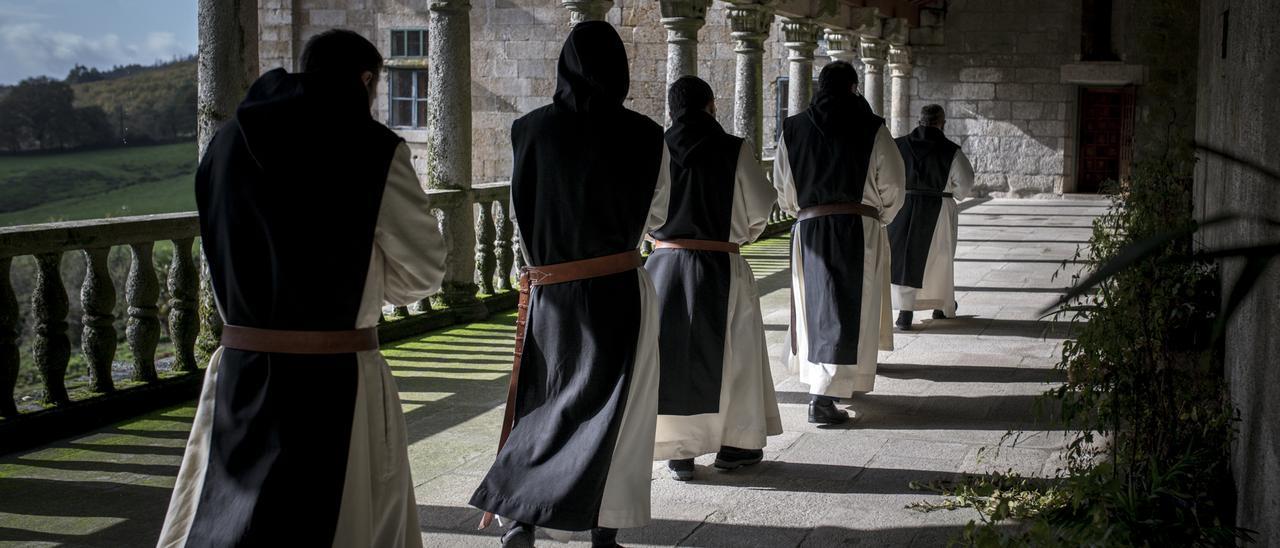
100,183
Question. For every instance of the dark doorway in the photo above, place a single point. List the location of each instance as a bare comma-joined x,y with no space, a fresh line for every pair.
1106,136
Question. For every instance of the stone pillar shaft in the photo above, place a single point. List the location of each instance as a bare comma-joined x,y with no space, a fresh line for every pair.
801,39
586,10
750,27
449,144
900,90
682,19
873,51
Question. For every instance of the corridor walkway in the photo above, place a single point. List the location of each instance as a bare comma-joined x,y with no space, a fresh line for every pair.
950,388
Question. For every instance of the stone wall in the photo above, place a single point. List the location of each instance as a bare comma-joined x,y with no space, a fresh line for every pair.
1237,118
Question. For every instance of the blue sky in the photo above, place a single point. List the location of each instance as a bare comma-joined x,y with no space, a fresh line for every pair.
48,37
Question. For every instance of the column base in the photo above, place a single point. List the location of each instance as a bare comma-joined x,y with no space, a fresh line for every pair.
460,298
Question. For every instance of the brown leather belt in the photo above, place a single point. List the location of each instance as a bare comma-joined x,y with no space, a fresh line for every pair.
850,208
281,341
697,245
547,275
823,210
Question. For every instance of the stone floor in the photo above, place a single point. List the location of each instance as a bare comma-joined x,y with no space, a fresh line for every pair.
949,390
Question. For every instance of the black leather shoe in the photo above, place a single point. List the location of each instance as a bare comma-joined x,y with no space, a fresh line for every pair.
604,537
939,315
826,413
904,320
681,469
518,536
733,458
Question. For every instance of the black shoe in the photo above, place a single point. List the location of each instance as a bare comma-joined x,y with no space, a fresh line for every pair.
904,320
604,537
826,413
939,315
519,535
733,458
681,469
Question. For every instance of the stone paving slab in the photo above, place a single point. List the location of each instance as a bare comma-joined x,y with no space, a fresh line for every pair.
950,389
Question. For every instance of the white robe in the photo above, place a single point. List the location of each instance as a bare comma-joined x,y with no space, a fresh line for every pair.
378,506
938,291
748,406
883,190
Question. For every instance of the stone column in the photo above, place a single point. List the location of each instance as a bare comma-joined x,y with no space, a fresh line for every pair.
873,51
228,64
586,10
449,145
682,19
750,24
801,39
842,45
900,90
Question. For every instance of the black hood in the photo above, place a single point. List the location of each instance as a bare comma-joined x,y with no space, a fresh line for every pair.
283,112
592,73
923,139
690,134
836,112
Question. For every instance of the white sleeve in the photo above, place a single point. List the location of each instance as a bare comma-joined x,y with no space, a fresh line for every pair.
783,183
753,198
408,237
960,177
661,195
890,175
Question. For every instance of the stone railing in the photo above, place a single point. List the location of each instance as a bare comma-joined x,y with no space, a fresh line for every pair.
778,221
50,346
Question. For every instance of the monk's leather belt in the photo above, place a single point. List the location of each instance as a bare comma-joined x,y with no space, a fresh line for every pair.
934,193
849,208
281,341
547,275
697,245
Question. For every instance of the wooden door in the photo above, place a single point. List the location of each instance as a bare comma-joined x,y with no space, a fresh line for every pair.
1106,137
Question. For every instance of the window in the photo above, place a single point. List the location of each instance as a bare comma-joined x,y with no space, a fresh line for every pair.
409,43
1095,31
407,79
1226,26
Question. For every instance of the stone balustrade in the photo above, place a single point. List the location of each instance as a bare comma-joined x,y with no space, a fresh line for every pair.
49,343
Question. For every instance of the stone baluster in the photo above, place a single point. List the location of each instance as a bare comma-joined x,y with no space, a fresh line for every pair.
586,10
142,329
184,296
900,90
486,262
401,312
51,347
210,331
750,24
682,19
9,354
517,248
449,145
801,40
98,337
502,244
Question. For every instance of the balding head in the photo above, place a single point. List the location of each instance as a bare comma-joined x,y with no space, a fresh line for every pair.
933,116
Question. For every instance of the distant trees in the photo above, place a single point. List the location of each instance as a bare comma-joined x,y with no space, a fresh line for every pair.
126,104
40,114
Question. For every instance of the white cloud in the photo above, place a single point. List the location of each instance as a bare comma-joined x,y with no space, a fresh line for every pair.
31,49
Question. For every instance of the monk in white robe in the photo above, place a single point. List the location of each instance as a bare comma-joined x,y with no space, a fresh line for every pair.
716,391
311,217
838,171
923,236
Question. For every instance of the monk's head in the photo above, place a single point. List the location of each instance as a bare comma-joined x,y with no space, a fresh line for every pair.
689,94
933,116
344,54
838,78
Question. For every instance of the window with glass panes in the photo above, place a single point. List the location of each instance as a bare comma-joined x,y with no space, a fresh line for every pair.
407,87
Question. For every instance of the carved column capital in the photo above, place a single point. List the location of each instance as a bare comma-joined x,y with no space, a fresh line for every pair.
449,5
899,61
874,52
801,35
586,10
749,25
842,45
683,19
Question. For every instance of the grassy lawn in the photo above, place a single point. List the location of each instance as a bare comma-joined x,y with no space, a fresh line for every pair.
99,183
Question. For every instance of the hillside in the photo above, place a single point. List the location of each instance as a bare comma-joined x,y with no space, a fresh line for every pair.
101,183
159,102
